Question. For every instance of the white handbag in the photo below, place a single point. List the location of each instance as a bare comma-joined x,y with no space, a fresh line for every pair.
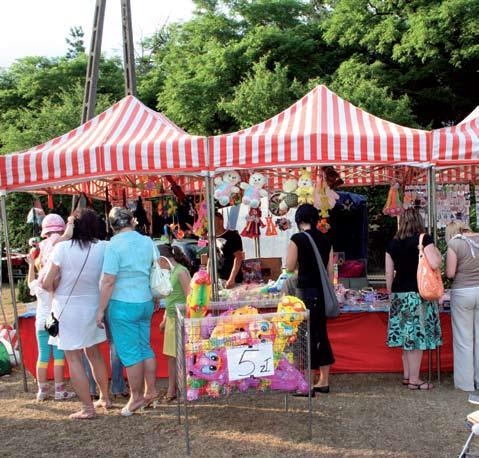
160,283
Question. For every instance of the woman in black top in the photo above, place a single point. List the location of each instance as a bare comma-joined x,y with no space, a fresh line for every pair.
413,322
301,255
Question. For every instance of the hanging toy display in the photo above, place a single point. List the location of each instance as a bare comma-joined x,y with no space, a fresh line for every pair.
393,206
270,227
283,224
289,197
324,197
36,214
274,203
200,227
226,187
305,190
171,207
253,190
254,224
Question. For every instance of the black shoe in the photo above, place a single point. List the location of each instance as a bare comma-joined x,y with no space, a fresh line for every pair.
304,395
321,389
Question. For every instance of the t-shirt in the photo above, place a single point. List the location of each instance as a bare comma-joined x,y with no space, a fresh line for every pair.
44,304
177,295
405,255
229,243
467,269
129,256
69,256
308,270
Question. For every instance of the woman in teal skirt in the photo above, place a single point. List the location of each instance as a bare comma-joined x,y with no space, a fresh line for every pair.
180,278
413,322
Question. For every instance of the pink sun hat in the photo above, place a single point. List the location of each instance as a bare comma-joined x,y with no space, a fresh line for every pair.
52,223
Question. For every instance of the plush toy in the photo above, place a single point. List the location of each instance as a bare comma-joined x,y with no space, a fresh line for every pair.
254,223
199,298
200,227
305,190
226,187
283,224
289,197
276,286
253,190
324,197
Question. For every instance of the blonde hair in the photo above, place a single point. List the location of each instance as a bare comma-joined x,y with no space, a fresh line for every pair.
410,223
456,227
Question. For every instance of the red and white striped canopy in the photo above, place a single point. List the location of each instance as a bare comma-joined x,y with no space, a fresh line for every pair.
321,128
458,144
128,138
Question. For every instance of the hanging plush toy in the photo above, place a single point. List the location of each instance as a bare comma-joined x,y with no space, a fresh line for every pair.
283,224
200,227
254,224
270,227
253,190
289,197
305,191
226,187
324,197
393,206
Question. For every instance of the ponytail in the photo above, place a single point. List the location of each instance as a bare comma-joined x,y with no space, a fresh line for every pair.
180,257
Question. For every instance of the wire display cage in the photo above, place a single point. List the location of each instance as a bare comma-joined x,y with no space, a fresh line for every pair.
243,347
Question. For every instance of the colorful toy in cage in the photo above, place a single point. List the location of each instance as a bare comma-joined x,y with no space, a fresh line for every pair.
289,196
305,189
287,378
286,324
254,223
393,206
261,331
226,187
199,298
233,321
253,190
200,226
209,367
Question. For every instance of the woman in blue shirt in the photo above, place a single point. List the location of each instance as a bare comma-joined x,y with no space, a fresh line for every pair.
125,291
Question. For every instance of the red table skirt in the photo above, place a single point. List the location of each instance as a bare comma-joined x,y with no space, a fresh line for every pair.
358,341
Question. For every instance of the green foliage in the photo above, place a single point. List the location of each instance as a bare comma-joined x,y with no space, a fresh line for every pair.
23,292
75,42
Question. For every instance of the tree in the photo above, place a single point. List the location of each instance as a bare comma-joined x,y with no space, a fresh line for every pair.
75,42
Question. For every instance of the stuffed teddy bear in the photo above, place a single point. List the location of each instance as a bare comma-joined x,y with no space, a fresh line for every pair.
305,191
226,187
253,190
289,198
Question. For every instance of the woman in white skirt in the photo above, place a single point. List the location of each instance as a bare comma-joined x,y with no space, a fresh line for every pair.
76,266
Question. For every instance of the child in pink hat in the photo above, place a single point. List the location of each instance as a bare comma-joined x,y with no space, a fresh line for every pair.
54,231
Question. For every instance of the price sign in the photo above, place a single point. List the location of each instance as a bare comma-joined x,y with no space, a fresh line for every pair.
250,361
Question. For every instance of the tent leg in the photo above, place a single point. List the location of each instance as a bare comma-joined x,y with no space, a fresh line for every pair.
210,189
12,284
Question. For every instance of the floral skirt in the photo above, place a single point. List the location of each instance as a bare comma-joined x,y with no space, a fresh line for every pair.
413,323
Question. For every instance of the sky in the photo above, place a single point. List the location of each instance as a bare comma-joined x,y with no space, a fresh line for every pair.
39,27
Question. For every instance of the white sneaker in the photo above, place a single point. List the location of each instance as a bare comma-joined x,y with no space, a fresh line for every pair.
64,395
42,395
474,398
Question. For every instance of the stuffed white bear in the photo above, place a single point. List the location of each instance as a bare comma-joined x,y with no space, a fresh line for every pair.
226,187
289,198
253,190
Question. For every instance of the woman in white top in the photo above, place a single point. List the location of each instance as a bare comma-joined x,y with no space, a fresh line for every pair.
78,264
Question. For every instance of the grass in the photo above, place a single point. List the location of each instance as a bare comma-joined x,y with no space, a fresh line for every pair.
366,415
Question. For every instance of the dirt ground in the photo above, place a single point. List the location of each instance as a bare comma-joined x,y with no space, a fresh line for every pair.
364,416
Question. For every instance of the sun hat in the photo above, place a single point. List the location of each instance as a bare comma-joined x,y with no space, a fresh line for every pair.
52,223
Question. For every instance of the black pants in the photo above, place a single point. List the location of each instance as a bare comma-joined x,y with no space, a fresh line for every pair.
321,352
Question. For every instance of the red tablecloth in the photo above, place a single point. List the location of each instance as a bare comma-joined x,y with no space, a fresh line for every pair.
358,341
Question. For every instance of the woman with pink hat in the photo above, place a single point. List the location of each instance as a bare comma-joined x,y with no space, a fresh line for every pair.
53,229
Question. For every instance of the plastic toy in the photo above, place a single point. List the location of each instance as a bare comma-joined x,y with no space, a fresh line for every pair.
287,378
393,206
289,197
276,286
254,223
226,187
253,190
199,298
233,321
262,331
206,374
305,190
287,324
200,227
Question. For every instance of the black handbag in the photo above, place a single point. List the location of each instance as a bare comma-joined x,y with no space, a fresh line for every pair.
52,323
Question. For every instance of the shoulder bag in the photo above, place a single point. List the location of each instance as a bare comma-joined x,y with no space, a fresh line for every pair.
160,283
331,303
429,281
52,323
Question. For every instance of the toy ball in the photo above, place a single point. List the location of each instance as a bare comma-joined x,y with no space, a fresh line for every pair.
262,330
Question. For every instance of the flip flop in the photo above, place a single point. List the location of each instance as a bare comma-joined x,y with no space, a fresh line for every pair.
169,399
405,381
423,386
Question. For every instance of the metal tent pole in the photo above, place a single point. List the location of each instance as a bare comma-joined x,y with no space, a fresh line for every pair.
210,201
128,49
12,284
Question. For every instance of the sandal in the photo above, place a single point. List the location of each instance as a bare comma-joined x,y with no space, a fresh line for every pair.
167,398
152,402
102,403
420,386
86,413
405,381
126,412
